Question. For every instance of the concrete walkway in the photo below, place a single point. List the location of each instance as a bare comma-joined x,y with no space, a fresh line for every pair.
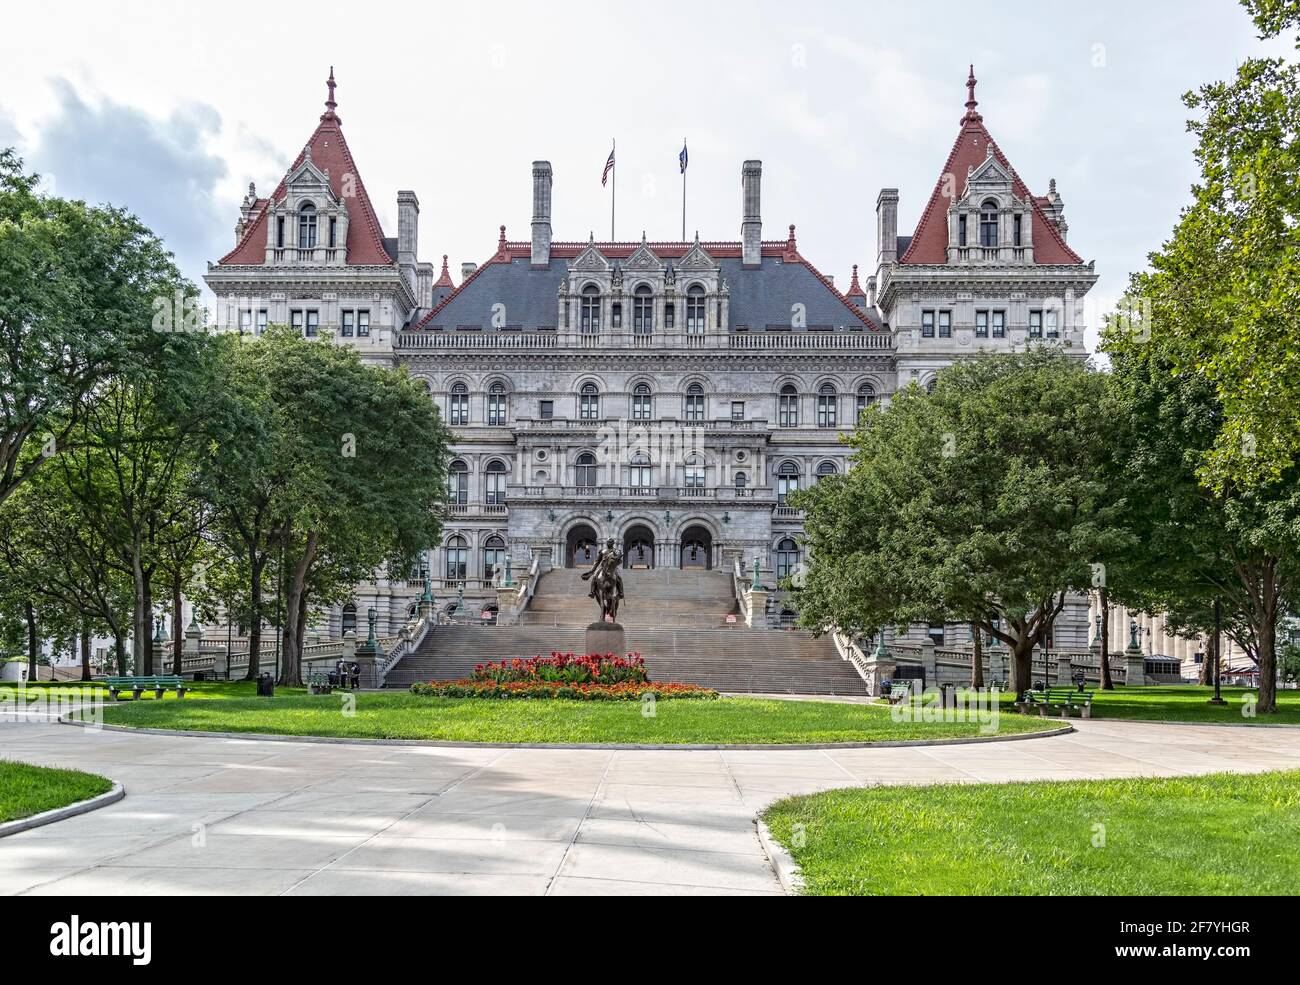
209,815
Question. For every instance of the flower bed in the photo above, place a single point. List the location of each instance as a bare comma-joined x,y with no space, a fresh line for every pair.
548,690
566,668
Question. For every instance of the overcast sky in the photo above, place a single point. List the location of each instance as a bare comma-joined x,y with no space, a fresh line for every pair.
171,109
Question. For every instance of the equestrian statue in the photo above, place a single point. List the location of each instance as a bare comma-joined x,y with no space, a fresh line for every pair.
606,582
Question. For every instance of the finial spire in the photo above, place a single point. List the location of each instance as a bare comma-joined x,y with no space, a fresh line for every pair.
971,115
330,104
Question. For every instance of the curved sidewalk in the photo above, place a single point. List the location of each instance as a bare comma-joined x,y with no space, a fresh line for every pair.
216,815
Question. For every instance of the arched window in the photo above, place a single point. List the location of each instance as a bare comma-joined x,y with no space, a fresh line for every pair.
695,402
458,483
643,311
787,481
458,404
349,618
497,405
590,309
584,470
457,559
695,311
866,397
787,558
306,226
929,387
589,402
641,471
494,556
788,409
642,405
494,486
989,223
827,402
740,480
825,469
694,471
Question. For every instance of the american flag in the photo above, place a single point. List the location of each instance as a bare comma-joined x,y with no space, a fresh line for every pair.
609,166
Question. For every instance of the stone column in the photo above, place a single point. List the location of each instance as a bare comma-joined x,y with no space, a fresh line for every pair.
1134,659
1064,668
928,663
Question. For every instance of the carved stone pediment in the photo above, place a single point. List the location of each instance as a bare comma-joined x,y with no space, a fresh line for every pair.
643,260
590,260
696,260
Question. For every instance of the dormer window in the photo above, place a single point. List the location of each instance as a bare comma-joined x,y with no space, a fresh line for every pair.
307,226
695,311
643,318
989,224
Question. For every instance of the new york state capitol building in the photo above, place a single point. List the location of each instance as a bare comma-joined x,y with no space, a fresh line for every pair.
669,395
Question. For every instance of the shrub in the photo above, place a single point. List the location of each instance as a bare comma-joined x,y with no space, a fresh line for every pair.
591,668
549,690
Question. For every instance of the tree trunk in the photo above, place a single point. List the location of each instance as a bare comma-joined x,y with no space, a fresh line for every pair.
1206,677
119,647
1104,598
33,643
294,615
977,658
142,615
148,623
1022,655
1267,636
85,651
256,565
178,624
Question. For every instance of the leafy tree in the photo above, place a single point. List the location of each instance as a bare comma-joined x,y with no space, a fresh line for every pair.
78,292
1238,544
1229,277
988,499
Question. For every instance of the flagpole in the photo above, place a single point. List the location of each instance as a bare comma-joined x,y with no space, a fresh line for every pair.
683,196
613,187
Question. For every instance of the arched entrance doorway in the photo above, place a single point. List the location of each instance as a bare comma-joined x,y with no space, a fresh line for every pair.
697,547
580,547
639,547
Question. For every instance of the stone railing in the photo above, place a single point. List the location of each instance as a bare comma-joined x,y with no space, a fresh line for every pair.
751,601
513,339
847,647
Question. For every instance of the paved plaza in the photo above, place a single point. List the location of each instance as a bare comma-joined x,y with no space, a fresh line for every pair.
218,815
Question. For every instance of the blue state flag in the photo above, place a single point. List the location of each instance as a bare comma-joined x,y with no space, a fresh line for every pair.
681,158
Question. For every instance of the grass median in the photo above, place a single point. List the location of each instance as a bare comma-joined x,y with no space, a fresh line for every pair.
27,790
402,715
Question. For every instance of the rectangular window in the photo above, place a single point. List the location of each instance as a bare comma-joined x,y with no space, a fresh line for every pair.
1035,324
313,323
245,322
279,231
546,410
295,320
333,232
1050,324
1017,230
999,324
738,410
616,316
348,324
363,324
961,230
669,321
981,324
927,324
261,321
945,324
936,633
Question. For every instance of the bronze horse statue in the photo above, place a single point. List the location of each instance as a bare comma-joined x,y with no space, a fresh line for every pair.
606,582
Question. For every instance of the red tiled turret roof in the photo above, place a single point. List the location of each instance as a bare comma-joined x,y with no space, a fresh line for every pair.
930,241
329,153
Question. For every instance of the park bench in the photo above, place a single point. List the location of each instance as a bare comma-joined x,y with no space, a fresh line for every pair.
1067,700
899,691
160,685
321,683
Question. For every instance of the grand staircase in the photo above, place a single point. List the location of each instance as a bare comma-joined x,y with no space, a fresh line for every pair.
676,619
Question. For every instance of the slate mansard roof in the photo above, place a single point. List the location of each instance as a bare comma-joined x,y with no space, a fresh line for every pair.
760,297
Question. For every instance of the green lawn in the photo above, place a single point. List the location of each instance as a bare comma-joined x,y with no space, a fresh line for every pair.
401,715
27,790
1213,835
1187,703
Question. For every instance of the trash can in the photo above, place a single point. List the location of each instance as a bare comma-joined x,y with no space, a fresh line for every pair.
199,675
265,686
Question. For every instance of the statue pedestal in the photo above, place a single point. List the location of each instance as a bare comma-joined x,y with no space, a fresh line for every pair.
606,637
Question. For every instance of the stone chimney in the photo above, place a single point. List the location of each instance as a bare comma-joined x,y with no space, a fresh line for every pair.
541,256
408,230
466,270
751,227
886,226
